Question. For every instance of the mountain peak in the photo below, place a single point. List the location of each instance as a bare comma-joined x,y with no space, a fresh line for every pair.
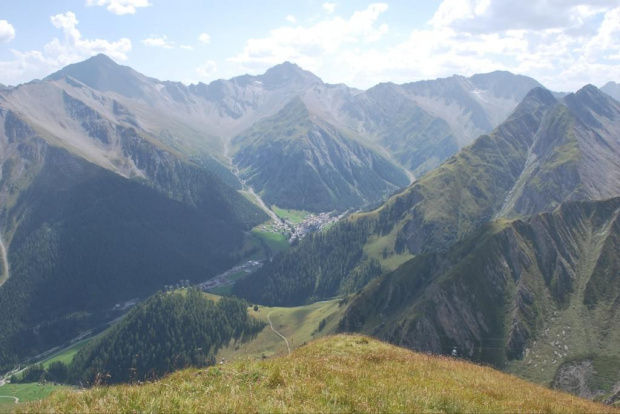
286,73
537,96
505,84
591,100
612,89
104,74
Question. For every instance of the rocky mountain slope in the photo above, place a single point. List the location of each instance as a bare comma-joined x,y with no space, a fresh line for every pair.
525,295
417,125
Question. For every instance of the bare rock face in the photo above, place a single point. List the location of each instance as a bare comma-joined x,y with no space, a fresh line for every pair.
576,378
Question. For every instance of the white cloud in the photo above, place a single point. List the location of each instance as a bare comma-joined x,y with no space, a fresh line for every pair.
311,46
187,47
162,42
7,31
60,52
207,70
564,44
329,7
120,7
204,38
73,48
487,16
291,19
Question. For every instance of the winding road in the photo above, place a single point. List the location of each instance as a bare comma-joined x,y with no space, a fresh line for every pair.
278,333
15,398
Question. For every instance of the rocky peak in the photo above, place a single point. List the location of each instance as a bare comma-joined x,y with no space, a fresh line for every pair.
590,101
287,73
612,89
505,84
103,74
536,98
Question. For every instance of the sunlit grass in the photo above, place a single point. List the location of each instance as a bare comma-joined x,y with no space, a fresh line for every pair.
336,374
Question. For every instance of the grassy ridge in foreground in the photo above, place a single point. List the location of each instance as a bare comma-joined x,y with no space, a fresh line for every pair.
335,374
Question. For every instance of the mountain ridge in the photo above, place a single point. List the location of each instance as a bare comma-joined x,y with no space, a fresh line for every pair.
378,377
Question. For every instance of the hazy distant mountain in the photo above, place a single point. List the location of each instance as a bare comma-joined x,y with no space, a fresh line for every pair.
296,160
417,125
103,74
612,89
424,123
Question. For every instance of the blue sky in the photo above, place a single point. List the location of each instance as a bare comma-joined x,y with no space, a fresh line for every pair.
562,43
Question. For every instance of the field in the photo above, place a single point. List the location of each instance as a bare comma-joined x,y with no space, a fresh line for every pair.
299,325
276,242
67,355
294,216
345,373
25,393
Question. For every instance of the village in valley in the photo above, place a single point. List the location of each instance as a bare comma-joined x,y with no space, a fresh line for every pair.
298,229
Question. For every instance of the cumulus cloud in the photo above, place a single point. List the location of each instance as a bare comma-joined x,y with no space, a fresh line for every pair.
58,53
120,7
155,41
490,16
204,38
7,31
291,19
73,48
187,47
562,43
311,46
207,70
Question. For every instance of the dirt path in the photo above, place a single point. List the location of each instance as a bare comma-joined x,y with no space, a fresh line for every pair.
278,333
15,398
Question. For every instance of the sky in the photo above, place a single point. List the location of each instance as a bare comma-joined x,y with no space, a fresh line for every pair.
564,44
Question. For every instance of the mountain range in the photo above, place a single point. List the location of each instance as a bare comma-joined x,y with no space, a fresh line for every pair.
407,129
496,231
500,252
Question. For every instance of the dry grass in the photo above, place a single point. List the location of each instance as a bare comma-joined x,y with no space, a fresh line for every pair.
334,374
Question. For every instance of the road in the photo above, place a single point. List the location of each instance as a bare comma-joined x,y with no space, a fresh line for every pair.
7,396
5,263
278,333
246,187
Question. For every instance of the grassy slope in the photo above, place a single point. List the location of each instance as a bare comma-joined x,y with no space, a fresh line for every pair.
26,393
336,374
299,325
67,355
295,216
